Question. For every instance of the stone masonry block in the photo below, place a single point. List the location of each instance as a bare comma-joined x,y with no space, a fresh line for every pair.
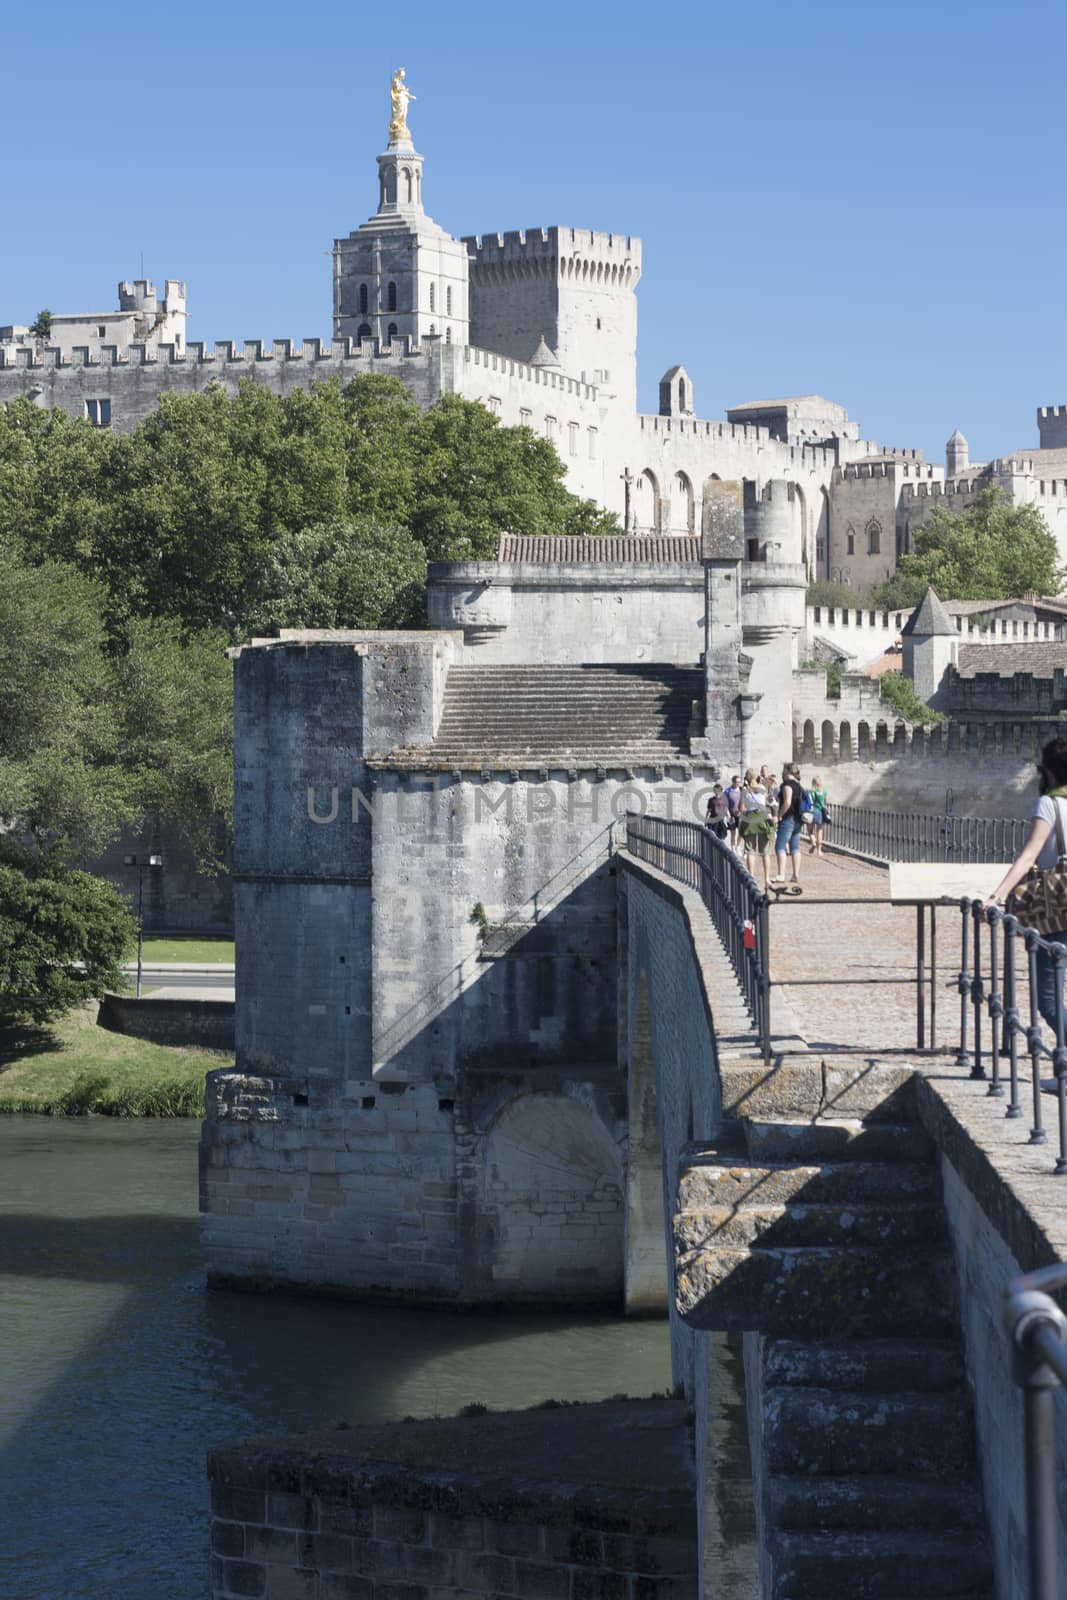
435,1567
239,1505
356,1520
587,1584
277,1545
292,1583
486,1573
292,1511
228,1538
649,1556
341,1586
642,1588
399,1524
244,1578
542,1580
328,1552
514,1538
456,1533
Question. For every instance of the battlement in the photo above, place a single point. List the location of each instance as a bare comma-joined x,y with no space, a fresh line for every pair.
224,352
546,377
808,457
904,463
867,634
834,738
965,488
571,253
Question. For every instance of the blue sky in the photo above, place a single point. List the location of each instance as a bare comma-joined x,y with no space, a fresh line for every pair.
865,202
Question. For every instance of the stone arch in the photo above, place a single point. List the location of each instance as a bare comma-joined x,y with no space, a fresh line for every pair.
364,331
391,332
845,744
363,301
645,1227
408,192
808,737
828,751
647,507
683,506
390,297
863,741
551,1199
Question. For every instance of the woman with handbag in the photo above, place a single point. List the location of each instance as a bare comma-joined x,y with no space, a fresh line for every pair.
1041,902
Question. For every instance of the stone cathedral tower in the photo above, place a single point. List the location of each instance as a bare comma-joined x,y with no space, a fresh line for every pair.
400,274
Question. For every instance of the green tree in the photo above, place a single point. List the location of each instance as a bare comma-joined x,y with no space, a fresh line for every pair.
173,697
821,592
899,692
991,551
61,780
41,326
356,573
64,935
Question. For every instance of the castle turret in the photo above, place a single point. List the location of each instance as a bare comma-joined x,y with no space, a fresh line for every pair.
957,455
400,275
773,585
931,640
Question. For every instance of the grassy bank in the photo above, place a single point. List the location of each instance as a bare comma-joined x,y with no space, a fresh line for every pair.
187,947
73,1067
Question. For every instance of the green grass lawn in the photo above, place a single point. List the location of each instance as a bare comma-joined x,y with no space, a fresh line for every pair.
71,1067
187,947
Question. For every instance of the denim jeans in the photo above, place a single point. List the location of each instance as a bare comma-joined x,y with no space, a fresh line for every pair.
1046,979
787,838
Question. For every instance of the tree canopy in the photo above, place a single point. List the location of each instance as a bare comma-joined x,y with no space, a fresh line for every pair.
64,935
991,551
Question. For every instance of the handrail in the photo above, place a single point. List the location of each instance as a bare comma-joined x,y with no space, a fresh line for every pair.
994,946
918,836
694,856
1037,1327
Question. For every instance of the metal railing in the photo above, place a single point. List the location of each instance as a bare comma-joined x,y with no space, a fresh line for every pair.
1039,1366
911,836
738,908
1005,970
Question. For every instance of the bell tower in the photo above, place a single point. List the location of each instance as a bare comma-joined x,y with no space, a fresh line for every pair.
400,275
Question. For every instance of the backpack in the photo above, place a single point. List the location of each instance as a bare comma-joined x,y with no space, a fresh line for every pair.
807,806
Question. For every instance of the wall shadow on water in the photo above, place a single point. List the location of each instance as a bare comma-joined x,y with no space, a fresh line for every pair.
123,1370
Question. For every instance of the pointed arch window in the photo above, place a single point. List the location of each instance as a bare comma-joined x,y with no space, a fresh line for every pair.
392,330
363,299
874,538
390,297
364,330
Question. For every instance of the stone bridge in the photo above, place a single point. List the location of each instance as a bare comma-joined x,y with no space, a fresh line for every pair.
840,1225
485,1055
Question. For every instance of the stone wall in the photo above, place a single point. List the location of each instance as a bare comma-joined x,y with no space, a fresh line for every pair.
178,897
583,1503
207,1024
571,613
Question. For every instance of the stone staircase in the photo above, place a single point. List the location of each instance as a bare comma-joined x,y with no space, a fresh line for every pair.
823,1237
633,712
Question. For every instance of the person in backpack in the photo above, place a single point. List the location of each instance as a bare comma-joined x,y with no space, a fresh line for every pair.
787,839
718,812
1047,836
820,815
756,827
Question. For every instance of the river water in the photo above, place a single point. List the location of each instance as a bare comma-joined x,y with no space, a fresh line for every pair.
119,1370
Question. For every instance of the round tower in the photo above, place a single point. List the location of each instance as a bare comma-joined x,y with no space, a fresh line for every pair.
957,455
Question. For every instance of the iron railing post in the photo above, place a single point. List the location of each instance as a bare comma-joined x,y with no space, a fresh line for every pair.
1032,1317
1033,1040
1012,1026
977,990
996,1011
963,984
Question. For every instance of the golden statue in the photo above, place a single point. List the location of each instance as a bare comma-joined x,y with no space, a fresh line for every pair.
400,94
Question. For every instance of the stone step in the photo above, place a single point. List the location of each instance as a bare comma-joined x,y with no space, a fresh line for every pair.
872,1365
845,1224
715,1179
819,1504
835,1433
952,1565
809,1086
812,1293
835,1139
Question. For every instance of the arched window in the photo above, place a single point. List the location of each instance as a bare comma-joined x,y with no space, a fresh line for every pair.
874,538
390,300
407,184
850,540
433,297
448,301
364,330
392,330
433,327
681,394
363,298
448,336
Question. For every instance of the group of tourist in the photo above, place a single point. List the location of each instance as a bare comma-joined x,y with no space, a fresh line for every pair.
747,815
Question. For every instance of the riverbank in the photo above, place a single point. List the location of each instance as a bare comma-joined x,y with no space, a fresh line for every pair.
74,1067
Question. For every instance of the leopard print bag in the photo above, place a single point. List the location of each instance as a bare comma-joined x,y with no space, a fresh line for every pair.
1040,901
